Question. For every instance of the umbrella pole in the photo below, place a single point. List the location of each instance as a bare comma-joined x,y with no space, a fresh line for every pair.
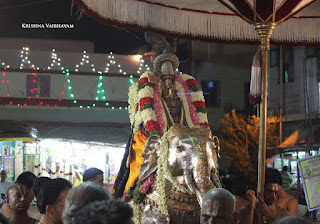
264,31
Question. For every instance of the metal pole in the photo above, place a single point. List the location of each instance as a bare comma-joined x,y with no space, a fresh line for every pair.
263,123
264,30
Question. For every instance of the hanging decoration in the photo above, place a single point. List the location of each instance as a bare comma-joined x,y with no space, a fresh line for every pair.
255,83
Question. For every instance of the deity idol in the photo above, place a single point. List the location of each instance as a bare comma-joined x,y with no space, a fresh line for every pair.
171,157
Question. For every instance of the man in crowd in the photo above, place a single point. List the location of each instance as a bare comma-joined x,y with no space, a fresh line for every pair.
19,202
218,207
51,195
265,207
4,186
79,197
26,178
93,175
104,212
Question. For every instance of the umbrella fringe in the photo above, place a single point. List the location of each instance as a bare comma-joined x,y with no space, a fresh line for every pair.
188,22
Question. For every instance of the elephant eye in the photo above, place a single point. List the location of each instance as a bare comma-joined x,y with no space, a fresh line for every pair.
180,148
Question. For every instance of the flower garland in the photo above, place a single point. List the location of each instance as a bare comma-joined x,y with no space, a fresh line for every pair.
197,98
146,107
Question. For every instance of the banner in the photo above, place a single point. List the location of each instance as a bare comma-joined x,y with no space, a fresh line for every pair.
38,85
310,173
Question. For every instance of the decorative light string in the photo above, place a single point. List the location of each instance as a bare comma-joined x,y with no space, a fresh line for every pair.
143,67
25,58
4,80
56,65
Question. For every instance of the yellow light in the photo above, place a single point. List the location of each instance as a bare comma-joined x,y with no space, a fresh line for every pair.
137,57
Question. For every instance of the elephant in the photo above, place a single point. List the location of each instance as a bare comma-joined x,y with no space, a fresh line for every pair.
185,162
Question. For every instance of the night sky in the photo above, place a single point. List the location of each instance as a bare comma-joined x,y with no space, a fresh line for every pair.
106,38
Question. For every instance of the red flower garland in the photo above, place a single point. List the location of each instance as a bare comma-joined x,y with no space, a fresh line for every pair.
145,100
144,80
192,82
199,104
152,126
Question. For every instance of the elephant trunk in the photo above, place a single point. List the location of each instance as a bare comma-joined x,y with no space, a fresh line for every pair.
198,180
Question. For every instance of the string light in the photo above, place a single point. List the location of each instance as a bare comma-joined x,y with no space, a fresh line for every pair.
85,61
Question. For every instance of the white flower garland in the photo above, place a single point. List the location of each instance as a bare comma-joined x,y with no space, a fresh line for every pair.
202,117
149,113
136,213
197,96
147,91
133,101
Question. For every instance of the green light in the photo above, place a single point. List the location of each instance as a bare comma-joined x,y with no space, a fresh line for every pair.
107,104
100,83
88,107
102,90
69,87
120,108
94,105
80,106
98,91
74,101
104,97
112,108
68,81
63,72
97,98
72,96
67,70
131,76
67,74
100,77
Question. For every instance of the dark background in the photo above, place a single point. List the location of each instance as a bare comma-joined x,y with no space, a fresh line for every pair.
106,38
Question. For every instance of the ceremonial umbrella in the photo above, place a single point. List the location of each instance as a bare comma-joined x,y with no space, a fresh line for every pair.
220,21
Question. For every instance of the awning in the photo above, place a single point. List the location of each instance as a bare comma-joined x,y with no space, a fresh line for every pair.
18,133
301,140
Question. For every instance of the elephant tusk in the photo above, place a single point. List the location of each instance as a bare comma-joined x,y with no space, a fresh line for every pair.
192,187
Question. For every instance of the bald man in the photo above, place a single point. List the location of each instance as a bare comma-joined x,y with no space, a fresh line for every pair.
218,207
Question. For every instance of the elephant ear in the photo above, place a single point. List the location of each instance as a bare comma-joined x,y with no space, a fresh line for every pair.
150,150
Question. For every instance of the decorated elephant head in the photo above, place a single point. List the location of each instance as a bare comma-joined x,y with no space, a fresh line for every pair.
193,154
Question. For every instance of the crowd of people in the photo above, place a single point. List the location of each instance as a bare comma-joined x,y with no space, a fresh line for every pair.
32,200
42,200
